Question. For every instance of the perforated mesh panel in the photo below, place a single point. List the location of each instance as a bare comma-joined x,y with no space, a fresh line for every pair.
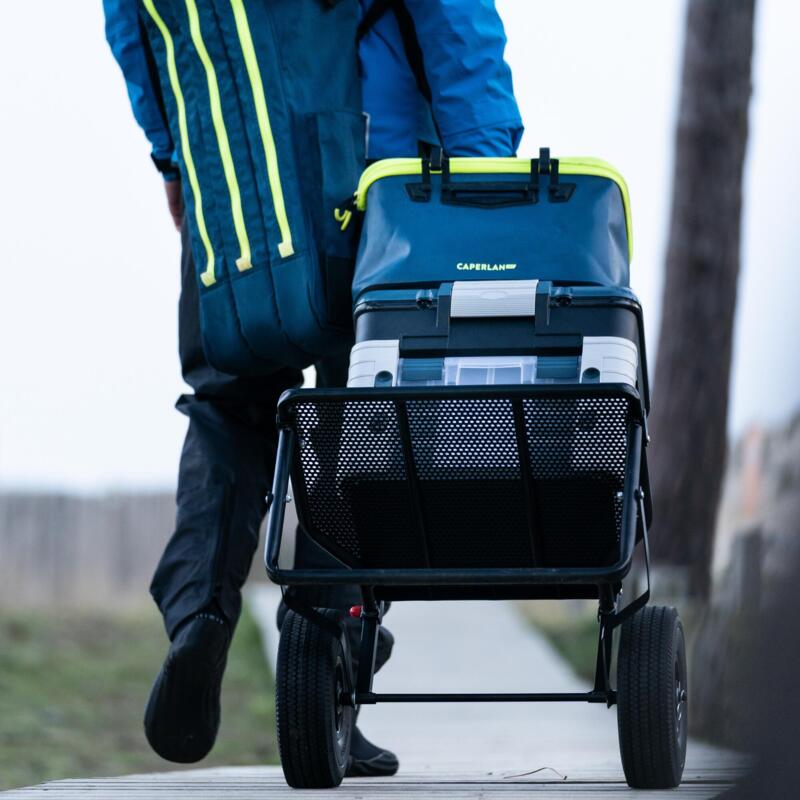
577,452
442,482
465,453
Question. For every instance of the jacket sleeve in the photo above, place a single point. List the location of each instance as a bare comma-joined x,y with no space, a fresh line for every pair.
462,43
399,116
125,36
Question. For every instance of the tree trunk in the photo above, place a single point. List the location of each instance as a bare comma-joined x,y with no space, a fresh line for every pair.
690,406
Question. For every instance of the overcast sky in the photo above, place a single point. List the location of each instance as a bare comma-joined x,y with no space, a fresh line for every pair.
90,260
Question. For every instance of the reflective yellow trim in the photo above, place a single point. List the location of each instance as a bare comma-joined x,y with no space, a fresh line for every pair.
244,261
208,275
392,167
343,216
285,248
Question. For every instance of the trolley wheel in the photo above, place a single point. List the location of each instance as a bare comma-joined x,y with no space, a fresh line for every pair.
314,727
651,698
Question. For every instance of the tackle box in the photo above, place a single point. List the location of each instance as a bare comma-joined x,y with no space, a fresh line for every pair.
498,332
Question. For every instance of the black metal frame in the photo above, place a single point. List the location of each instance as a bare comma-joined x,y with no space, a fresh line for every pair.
607,580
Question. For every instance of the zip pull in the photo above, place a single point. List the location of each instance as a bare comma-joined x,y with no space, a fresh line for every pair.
344,212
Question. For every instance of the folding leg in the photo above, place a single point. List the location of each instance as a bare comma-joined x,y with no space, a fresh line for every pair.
371,614
605,646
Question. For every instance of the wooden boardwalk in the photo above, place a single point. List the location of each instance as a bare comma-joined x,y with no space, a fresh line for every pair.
564,750
266,783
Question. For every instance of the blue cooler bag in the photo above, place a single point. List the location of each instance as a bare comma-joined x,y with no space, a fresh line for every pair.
561,220
264,99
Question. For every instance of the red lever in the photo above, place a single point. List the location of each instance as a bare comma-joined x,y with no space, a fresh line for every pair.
355,611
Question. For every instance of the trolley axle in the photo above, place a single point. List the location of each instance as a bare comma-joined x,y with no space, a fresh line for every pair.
371,698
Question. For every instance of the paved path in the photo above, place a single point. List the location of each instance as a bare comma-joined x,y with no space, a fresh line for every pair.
503,750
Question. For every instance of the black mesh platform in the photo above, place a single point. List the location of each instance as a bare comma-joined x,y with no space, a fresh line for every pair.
447,479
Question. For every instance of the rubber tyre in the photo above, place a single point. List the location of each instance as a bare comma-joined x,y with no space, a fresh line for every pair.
314,729
651,699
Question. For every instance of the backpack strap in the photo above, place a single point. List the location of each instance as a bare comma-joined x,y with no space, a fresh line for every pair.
412,49
374,14
411,46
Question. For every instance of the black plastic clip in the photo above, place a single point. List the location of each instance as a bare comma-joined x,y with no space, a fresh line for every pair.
544,161
557,192
421,192
345,211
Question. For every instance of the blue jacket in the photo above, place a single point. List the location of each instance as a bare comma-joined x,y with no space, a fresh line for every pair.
462,42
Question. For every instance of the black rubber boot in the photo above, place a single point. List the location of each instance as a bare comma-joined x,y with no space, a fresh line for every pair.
182,715
385,646
368,760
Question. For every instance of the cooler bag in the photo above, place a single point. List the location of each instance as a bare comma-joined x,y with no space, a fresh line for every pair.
566,221
264,99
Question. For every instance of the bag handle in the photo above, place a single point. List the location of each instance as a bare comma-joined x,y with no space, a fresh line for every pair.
493,194
489,194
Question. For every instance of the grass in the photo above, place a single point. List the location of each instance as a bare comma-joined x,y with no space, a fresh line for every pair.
719,650
73,688
571,627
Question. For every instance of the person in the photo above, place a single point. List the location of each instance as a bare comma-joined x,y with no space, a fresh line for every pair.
433,73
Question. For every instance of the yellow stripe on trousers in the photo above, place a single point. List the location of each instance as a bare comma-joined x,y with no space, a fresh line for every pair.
207,276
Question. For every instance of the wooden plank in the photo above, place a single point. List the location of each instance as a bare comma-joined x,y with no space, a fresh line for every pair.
257,783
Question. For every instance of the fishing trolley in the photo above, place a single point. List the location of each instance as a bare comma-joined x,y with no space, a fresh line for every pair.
490,445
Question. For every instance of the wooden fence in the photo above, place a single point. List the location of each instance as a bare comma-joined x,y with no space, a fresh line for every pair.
73,551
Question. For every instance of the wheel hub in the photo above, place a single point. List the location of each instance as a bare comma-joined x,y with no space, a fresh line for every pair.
681,697
339,693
